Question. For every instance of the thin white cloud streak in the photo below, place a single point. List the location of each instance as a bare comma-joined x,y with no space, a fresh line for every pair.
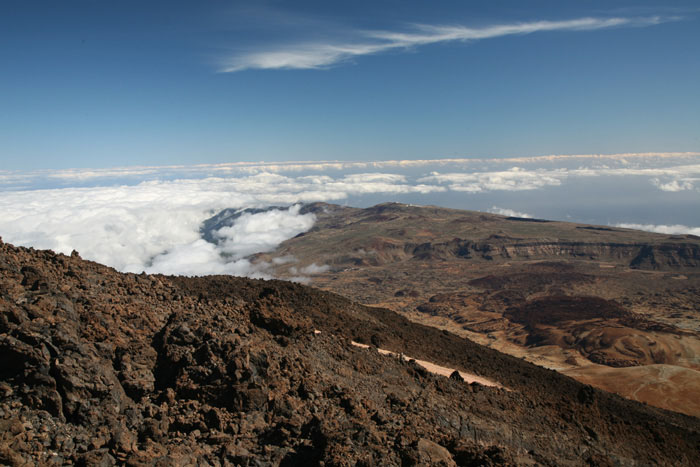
314,268
309,270
314,55
663,229
87,174
599,163
677,171
509,212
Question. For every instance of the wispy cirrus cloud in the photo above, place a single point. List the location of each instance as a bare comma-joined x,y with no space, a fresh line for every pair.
314,55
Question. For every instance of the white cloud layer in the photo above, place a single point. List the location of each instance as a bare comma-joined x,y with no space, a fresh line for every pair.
153,224
200,258
312,55
262,232
250,233
664,229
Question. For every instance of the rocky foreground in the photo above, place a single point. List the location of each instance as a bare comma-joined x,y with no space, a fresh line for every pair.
103,368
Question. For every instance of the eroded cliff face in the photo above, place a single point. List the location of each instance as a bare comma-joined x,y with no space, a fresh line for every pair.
672,256
101,368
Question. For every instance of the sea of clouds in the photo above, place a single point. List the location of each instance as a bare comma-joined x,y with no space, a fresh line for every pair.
148,218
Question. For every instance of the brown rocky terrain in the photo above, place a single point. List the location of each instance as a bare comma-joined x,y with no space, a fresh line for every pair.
104,368
612,307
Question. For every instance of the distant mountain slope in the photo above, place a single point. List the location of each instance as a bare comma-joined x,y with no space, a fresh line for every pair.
102,368
577,298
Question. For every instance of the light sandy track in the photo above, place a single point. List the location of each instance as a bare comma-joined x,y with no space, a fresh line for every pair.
434,368
437,369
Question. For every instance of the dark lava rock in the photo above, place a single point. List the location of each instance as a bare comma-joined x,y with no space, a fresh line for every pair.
103,368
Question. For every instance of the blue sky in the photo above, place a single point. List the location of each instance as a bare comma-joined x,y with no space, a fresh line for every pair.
104,84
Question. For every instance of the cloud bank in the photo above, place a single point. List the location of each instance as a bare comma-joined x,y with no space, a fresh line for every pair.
250,233
262,232
314,55
664,229
153,224
514,179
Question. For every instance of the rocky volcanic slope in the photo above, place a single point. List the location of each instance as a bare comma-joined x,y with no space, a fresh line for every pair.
100,368
615,308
